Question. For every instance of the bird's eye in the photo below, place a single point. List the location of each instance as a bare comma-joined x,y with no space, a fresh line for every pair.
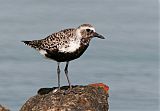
88,30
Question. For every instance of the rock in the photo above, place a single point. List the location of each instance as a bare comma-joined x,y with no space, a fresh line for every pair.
3,108
92,97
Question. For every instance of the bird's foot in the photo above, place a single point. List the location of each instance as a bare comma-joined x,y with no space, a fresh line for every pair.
69,91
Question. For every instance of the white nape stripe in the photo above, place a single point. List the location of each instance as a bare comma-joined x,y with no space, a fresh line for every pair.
78,34
43,52
91,28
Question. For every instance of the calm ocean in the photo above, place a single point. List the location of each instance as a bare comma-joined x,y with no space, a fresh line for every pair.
127,60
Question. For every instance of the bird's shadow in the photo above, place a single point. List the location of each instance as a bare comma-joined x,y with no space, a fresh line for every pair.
43,91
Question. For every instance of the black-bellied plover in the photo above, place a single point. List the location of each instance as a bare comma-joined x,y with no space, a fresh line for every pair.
65,45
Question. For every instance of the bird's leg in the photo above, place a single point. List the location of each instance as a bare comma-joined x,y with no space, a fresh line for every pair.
66,73
58,73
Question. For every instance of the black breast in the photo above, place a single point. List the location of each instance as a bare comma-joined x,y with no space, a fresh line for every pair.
66,56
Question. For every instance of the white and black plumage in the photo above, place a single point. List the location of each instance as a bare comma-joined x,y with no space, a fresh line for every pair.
65,45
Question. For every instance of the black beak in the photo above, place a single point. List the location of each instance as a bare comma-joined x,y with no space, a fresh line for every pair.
98,35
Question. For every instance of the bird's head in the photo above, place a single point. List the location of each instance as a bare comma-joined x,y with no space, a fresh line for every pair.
87,31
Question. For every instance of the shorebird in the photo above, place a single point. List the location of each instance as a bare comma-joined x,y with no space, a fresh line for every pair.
65,45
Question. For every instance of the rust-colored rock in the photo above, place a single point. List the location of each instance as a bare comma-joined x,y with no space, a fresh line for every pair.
2,108
80,98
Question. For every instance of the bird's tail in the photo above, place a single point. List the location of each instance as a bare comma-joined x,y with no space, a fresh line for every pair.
34,44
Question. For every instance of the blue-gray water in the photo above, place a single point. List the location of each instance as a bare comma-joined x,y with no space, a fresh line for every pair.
127,60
